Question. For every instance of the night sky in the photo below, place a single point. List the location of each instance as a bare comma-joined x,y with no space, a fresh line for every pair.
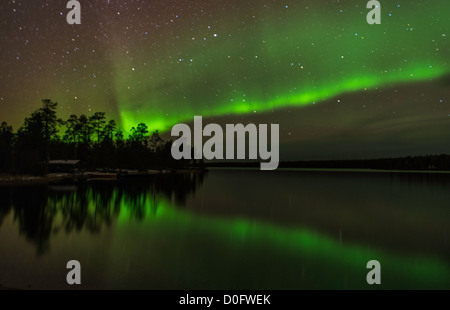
338,87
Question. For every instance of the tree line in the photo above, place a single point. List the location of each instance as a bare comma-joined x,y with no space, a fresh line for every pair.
427,162
94,140
423,163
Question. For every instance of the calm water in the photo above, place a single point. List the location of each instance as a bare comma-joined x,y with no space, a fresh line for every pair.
230,229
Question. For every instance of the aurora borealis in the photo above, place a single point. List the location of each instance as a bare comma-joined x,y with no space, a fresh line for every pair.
334,89
287,62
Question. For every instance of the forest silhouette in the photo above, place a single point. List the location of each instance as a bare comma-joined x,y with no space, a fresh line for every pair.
94,140
97,142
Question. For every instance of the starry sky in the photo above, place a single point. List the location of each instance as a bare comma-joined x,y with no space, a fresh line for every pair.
338,87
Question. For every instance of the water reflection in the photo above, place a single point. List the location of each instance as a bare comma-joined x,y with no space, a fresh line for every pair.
231,230
41,211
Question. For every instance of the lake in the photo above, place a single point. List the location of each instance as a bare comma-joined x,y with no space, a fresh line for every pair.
230,229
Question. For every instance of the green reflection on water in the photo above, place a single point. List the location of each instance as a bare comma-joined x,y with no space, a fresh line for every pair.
279,254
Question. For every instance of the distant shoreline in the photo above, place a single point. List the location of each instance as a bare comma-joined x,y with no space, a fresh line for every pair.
355,170
426,163
6,179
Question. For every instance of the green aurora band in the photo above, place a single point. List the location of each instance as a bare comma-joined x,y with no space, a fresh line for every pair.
287,58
